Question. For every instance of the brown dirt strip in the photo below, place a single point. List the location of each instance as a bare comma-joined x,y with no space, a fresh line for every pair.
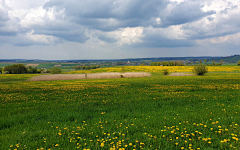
182,74
89,76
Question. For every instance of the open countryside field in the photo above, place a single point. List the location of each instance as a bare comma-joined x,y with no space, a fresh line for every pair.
157,112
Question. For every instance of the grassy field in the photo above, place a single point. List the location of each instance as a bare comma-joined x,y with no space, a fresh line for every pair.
158,112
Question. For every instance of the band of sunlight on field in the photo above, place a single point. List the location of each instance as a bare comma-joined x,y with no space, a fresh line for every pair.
157,112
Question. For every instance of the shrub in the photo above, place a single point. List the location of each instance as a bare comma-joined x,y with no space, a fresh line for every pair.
32,70
200,69
239,63
165,72
78,67
56,70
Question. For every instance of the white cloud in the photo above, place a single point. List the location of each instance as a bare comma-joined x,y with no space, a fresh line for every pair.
233,39
41,39
128,35
158,20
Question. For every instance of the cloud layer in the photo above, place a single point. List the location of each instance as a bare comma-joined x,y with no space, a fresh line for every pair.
101,26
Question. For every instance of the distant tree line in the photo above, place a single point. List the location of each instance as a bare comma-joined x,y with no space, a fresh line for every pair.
215,64
78,67
1,69
168,63
121,63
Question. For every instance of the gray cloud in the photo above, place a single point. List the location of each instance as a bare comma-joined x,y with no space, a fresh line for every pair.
215,28
127,24
157,40
111,14
186,12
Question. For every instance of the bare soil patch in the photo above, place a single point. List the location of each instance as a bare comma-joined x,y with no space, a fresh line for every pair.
89,76
32,65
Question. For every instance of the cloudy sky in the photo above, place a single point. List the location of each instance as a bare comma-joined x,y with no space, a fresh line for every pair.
110,29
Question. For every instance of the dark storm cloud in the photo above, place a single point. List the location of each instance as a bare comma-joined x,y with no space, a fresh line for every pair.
186,12
68,32
107,39
106,20
99,15
156,40
3,18
221,27
3,32
110,15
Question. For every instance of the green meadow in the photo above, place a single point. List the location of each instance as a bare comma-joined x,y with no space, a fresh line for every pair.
158,112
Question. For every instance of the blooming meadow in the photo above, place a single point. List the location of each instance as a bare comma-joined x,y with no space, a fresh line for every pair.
158,112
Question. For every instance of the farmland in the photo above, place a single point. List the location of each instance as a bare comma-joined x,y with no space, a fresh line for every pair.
157,112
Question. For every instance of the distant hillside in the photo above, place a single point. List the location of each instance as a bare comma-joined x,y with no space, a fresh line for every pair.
233,59
227,59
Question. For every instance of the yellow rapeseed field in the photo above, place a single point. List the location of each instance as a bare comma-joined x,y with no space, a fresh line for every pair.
159,69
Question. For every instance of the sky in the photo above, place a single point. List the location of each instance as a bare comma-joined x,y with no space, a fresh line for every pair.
118,29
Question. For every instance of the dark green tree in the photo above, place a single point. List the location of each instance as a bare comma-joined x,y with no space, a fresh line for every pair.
32,70
213,62
205,60
200,69
56,70
221,62
78,67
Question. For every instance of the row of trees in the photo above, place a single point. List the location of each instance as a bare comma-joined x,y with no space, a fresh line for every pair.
78,67
21,69
168,63
15,69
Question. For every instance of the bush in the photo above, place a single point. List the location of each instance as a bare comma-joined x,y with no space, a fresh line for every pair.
56,70
45,70
239,63
200,69
165,72
32,70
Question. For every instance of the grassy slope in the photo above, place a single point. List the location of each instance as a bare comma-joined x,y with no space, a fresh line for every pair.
146,112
